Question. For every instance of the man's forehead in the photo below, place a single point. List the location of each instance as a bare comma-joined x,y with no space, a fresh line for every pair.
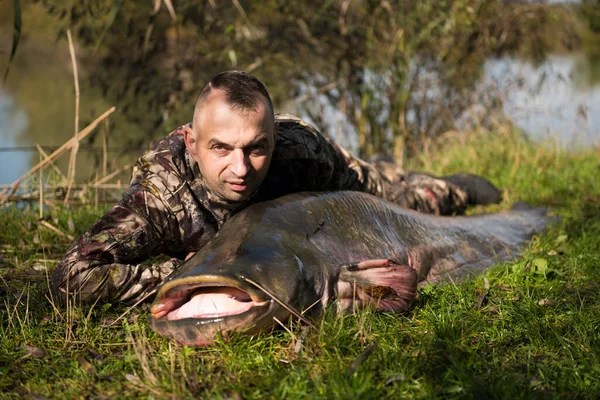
223,130
216,104
217,99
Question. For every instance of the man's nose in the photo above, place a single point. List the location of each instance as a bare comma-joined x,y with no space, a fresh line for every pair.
239,163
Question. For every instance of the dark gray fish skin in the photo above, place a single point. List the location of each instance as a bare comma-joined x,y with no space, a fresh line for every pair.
307,247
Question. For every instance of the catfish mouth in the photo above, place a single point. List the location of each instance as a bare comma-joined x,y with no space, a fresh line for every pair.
206,300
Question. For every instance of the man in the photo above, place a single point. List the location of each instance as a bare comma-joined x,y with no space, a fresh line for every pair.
235,152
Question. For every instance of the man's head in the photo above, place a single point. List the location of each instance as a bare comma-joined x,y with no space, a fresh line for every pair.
233,134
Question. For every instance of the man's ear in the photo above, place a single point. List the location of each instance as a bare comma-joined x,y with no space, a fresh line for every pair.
190,139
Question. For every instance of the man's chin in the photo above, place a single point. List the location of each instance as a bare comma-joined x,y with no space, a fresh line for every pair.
237,195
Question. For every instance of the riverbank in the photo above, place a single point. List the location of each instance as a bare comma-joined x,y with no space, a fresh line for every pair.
525,329
375,77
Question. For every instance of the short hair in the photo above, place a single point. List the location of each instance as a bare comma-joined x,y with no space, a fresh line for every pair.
243,92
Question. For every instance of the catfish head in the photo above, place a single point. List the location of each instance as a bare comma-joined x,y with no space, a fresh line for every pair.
237,282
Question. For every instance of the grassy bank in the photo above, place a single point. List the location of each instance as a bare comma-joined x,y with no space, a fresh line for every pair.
525,329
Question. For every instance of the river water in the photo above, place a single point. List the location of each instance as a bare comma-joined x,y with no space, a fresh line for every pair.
555,101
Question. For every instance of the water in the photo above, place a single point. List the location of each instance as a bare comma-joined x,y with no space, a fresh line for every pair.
553,101
37,106
13,121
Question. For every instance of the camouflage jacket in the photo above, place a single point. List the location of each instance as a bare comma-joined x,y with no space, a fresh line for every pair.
167,209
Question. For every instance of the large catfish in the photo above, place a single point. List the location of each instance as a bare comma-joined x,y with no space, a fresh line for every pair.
306,250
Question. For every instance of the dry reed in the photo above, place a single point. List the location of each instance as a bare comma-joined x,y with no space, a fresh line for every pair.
7,193
75,148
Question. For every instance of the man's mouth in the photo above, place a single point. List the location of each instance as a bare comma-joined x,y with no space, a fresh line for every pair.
238,186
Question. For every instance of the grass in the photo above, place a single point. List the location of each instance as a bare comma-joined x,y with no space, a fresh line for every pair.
525,329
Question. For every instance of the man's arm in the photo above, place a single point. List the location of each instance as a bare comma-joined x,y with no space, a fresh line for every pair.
102,264
338,169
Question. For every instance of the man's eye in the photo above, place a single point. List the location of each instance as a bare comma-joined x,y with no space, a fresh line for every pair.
258,149
219,148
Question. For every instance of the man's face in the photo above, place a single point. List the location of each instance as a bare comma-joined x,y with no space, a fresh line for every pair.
232,148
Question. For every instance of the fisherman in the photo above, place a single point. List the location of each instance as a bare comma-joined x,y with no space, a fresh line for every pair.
234,153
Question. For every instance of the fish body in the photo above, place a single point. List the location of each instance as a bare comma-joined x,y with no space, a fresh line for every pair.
305,250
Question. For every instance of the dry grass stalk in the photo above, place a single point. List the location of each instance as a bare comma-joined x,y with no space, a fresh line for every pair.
142,350
54,167
132,307
171,9
105,151
82,134
320,90
41,215
75,148
285,327
15,312
240,10
96,192
56,230
50,186
281,303
150,28
311,306
111,175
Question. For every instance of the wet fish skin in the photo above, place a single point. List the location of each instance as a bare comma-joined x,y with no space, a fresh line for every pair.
309,248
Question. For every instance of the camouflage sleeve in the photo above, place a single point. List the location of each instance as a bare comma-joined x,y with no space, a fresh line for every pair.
102,264
417,191
340,170
428,194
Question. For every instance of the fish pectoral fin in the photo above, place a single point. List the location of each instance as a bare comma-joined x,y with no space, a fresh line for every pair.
383,283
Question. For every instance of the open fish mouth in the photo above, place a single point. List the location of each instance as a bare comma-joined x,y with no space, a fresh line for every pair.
194,311
205,300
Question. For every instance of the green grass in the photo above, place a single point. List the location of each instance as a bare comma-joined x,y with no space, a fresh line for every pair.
536,334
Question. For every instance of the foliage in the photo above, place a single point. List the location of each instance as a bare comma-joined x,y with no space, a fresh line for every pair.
531,331
590,11
16,35
384,74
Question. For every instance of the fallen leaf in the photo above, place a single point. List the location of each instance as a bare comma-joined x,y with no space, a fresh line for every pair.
35,352
547,302
39,267
133,379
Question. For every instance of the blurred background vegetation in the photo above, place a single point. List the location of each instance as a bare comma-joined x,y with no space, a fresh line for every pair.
381,77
